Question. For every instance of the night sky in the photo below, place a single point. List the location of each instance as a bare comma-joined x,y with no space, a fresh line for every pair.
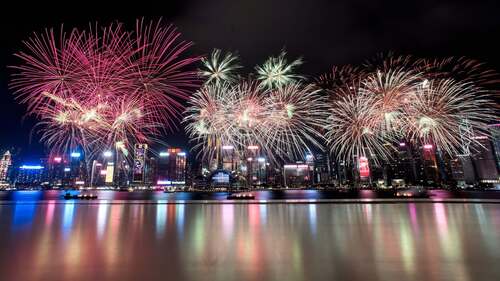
324,33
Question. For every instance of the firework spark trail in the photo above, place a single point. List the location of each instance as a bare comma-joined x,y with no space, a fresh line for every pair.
296,115
391,91
439,108
277,72
283,123
423,101
96,87
220,68
353,127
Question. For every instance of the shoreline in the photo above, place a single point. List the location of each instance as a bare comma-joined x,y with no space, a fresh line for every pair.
259,202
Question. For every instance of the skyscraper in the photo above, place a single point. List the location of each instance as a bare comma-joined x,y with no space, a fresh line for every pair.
322,168
484,161
429,164
495,139
171,167
139,169
29,175
5,164
296,175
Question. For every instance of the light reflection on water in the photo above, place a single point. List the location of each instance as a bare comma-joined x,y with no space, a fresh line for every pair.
249,242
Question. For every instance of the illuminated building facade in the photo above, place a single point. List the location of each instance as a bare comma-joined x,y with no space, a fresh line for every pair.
403,166
429,165
5,165
139,166
322,169
495,139
171,167
29,175
57,173
485,161
296,175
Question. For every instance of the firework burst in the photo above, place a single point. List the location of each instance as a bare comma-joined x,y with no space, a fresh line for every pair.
353,130
219,68
284,123
390,91
295,118
277,71
97,87
439,109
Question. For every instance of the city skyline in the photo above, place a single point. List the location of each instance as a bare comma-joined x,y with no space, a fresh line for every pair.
16,132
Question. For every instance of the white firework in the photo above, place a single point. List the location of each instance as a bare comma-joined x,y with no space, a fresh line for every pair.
353,130
277,72
295,118
219,68
439,108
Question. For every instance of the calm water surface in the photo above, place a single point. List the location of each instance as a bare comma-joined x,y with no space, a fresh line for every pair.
414,241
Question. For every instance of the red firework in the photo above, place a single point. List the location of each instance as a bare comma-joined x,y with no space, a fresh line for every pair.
98,86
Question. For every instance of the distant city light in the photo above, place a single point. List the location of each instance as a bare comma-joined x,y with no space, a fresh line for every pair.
103,172
164,154
107,153
253,147
249,158
227,147
75,154
57,159
31,167
309,157
67,169
402,144
80,182
261,159
428,146
292,166
181,153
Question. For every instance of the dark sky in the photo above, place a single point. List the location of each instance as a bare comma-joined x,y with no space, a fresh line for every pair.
324,33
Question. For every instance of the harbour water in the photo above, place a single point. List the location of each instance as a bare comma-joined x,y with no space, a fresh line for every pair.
113,241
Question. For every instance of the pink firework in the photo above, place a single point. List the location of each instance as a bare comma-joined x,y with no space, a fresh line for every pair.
99,86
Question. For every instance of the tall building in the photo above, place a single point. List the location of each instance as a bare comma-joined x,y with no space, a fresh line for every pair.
429,164
57,174
229,158
76,168
5,165
252,166
171,167
139,168
296,175
495,139
322,168
485,161
403,166
29,175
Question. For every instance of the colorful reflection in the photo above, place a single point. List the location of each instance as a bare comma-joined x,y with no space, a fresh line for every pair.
250,242
23,214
